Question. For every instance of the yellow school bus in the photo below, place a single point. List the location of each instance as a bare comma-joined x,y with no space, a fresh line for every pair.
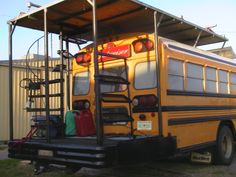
197,93
141,88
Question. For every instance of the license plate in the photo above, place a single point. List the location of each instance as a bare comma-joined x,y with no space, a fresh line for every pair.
144,125
45,153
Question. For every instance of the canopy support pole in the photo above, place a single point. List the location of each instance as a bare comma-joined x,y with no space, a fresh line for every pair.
68,74
46,74
11,29
223,45
197,40
157,23
99,123
61,79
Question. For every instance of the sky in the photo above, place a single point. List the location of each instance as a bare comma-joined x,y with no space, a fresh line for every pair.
204,13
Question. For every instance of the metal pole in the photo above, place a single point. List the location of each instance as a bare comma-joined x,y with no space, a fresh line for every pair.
68,74
61,79
46,74
99,123
10,33
158,72
198,37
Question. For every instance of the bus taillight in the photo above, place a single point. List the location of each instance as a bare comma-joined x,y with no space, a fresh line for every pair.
83,58
145,101
143,45
81,105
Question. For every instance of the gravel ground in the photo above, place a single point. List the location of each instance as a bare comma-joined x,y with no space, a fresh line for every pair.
167,168
178,167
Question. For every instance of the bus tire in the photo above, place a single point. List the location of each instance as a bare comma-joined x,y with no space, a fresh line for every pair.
224,151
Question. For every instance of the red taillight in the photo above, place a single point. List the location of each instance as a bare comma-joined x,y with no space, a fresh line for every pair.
80,105
143,45
138,47
145,100
149,44
82,58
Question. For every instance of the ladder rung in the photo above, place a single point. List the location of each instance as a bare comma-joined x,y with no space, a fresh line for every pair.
111,55
36,85
105,79
43,96
55,81
116,120
115,98
57,68
42,109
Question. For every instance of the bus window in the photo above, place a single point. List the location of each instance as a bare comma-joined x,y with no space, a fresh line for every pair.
175,75
223,82
145,75
114,71
233,83
81,83
211,80
194,77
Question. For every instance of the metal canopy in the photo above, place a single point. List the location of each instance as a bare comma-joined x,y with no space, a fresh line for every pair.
115,17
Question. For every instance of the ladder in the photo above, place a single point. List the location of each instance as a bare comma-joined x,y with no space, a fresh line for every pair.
115,117
36,95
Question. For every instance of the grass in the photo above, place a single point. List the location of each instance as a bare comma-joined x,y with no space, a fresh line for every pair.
3,147
15,168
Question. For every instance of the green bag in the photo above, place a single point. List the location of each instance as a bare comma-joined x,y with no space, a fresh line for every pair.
70,129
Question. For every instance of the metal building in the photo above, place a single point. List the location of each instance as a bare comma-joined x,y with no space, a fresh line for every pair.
22,119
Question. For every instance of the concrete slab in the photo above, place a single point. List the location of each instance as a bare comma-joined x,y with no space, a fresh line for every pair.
3,154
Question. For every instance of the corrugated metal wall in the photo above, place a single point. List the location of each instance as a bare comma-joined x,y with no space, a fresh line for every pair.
22,120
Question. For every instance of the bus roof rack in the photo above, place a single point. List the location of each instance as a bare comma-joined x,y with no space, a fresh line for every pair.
115,18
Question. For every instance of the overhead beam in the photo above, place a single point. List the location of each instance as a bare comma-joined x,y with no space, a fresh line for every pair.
107,19
86,11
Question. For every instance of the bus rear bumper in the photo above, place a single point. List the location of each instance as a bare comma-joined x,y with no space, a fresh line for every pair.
94,156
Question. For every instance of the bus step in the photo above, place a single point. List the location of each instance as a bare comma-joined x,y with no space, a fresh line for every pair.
105,79
115,98
42,109
117,120
43,96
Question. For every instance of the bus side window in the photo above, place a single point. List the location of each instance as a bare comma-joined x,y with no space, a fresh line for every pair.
211,82
145,75
233,83
223,83
175,75
194,77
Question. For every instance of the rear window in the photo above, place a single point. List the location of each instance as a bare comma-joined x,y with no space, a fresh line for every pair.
114,71
81,83
145,75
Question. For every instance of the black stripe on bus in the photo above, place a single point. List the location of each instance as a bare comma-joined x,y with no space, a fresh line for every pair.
200,54
195,108
197,147
183,108
183,121
189,93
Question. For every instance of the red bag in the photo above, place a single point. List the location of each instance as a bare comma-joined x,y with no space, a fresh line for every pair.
84,123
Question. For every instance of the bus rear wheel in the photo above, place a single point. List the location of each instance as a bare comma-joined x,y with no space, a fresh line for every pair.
225,146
